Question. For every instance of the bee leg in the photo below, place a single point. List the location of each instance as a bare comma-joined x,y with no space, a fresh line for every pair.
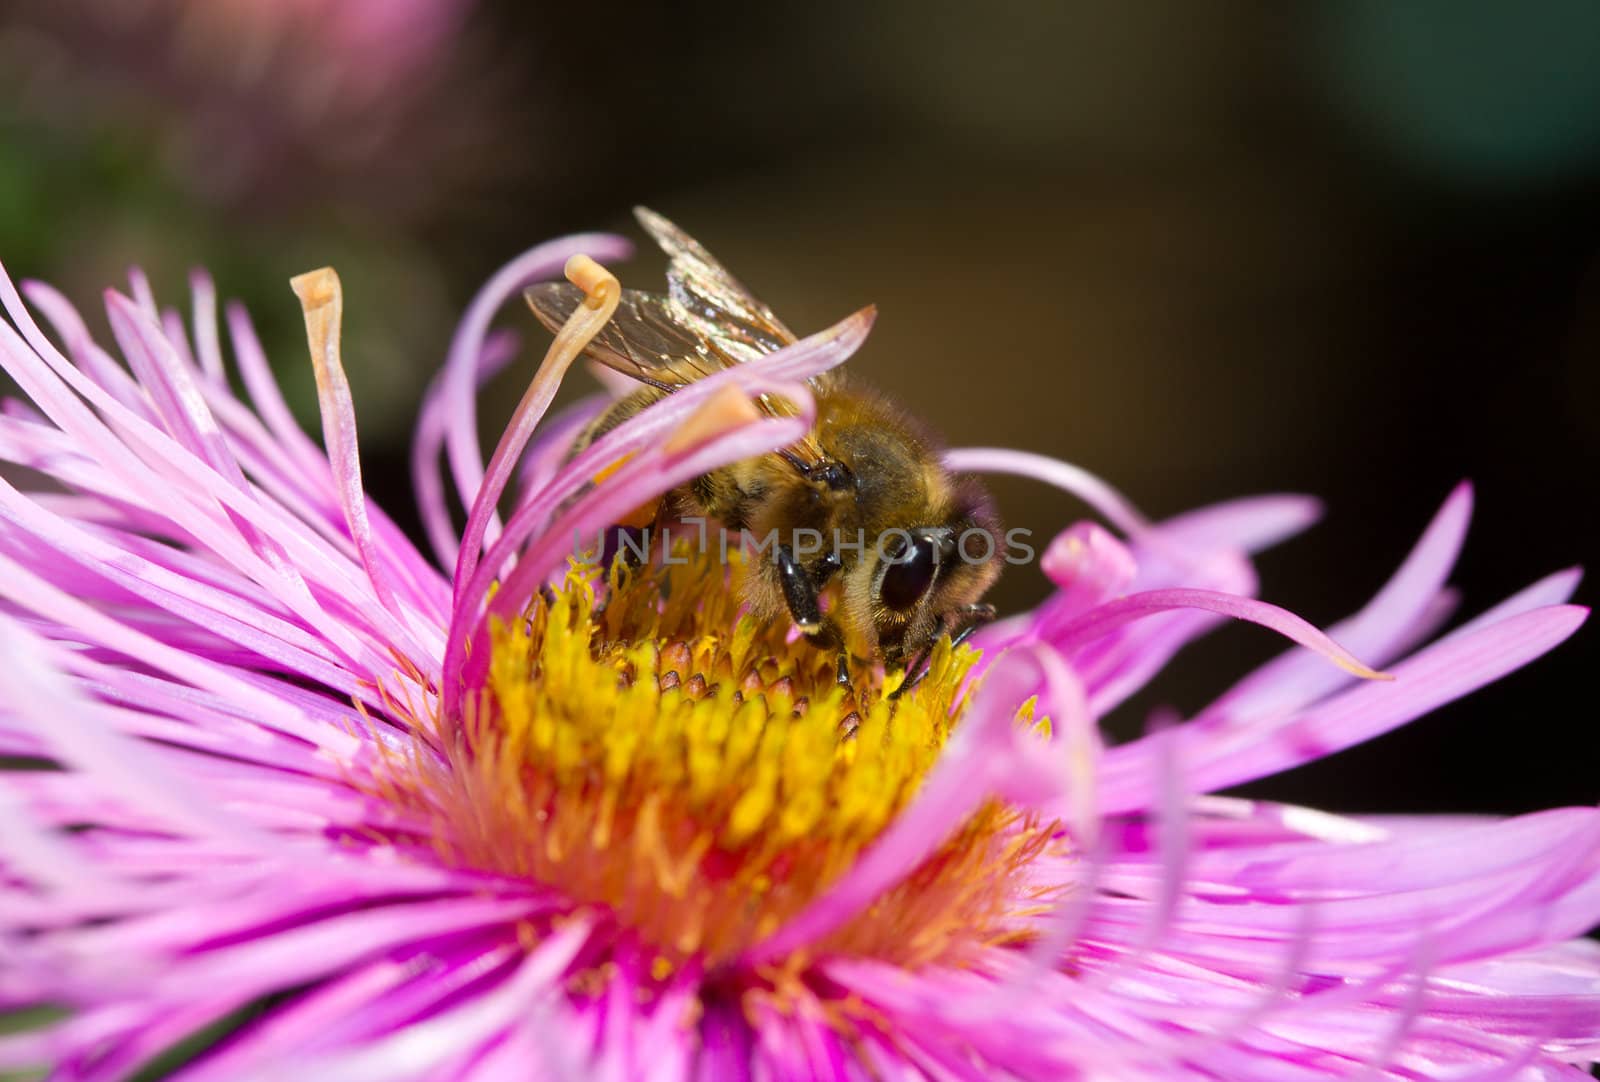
630,556
637,557
826,568
799,592
629,546
967,620
914,674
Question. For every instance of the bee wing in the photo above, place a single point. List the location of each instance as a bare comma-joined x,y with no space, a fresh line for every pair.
709,299
645,339
706,322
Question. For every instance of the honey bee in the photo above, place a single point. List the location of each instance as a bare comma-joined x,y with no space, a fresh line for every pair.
921,546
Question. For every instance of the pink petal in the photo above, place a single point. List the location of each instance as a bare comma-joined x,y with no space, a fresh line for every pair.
1378,631
428,441
1114,614
1217,756
1063,475
461,365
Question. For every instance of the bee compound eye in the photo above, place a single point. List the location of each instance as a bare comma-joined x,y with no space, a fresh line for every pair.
909,575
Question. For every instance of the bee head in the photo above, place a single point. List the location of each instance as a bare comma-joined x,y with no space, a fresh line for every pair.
924,574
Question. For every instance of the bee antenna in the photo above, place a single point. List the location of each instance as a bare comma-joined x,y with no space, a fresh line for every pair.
794,460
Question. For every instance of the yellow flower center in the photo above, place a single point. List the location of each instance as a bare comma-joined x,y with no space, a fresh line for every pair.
702,778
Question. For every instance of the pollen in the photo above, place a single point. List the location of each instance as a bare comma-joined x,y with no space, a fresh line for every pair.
648,750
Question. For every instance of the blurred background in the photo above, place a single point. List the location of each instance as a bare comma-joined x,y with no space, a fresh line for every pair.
1348,250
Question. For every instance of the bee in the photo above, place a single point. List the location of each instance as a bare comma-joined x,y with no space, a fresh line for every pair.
921,546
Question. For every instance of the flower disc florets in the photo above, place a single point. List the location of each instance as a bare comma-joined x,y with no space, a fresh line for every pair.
647,748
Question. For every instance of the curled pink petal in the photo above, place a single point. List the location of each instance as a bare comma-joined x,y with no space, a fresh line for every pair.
1063,475
1114,614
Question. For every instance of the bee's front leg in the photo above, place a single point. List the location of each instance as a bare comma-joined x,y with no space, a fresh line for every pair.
826,568
799,591
969,619
960,626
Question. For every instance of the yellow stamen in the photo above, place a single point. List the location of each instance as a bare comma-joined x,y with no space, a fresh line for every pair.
679,764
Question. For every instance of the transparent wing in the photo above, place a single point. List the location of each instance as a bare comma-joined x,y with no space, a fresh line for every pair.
646,339
709,299
705,323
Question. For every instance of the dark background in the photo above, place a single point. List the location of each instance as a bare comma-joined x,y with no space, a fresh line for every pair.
1204,251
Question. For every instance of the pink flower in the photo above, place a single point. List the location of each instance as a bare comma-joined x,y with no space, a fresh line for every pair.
371,819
